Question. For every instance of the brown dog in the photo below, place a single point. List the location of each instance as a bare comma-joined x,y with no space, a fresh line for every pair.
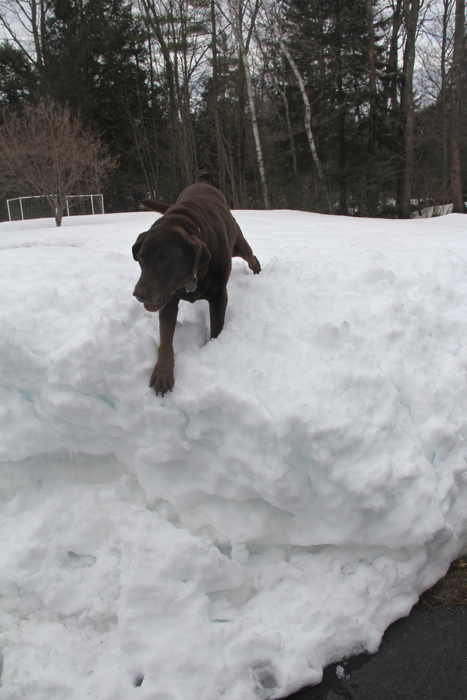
187,254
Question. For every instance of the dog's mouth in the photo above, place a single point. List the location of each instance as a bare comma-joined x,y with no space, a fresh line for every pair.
158,306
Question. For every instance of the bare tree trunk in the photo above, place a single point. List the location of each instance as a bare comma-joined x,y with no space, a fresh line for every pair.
58,208
254,123
301,83
186,109
411,11
372,190
215,104
342,107
283,94
391,78
180,120
447,7
24,23
152,19
459,40
238,176
35,22
235,18
391,101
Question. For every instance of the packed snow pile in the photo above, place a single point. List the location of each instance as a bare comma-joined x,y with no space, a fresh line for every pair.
301,486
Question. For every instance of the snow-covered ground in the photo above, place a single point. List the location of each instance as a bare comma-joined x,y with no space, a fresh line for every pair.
302,485
435,210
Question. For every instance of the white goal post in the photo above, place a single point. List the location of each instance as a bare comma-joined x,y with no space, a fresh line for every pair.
38,207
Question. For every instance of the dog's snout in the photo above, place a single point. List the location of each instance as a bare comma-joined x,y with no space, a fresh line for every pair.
141,294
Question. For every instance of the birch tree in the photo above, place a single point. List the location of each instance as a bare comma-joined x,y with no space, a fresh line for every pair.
181,29
411,10
301,84
236,19
372,190
220,151
459,45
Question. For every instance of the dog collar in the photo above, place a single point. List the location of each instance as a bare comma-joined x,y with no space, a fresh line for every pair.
193,285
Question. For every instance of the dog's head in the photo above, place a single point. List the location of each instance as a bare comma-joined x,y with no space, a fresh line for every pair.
170,254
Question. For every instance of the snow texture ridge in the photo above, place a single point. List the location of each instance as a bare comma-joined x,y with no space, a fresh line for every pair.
301,486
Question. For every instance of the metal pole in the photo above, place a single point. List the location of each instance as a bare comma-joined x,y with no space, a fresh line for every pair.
21,206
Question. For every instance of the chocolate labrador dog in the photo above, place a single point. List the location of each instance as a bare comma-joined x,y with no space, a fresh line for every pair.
187,254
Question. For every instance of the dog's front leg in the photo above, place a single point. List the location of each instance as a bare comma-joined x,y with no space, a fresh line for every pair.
217,307
162,378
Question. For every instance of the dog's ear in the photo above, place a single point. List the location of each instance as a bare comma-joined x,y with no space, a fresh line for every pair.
198,250
153,205
137,245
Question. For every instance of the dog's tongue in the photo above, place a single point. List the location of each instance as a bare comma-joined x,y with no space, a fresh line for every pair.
152,307
157,307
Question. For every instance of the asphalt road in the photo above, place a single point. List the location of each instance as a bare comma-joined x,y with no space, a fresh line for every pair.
421,657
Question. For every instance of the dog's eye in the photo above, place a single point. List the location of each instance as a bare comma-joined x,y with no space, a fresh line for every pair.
163,261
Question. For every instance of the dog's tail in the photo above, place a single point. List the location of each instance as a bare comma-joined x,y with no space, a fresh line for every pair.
161,207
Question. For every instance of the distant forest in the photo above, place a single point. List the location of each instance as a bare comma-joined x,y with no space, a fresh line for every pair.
351,107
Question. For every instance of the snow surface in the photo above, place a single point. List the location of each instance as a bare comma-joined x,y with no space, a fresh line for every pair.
302,485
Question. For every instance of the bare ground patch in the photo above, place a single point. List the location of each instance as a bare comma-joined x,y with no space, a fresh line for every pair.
450,590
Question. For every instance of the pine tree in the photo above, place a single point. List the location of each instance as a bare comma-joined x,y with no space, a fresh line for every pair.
94,61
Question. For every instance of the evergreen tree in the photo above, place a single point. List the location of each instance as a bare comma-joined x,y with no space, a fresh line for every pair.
94,61
329,40
18,78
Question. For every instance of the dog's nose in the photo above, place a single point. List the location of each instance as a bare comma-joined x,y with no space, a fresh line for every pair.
141,294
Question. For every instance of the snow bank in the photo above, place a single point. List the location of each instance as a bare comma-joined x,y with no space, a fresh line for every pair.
302,485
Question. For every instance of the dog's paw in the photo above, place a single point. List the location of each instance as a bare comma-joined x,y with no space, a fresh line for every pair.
162,380
254,265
